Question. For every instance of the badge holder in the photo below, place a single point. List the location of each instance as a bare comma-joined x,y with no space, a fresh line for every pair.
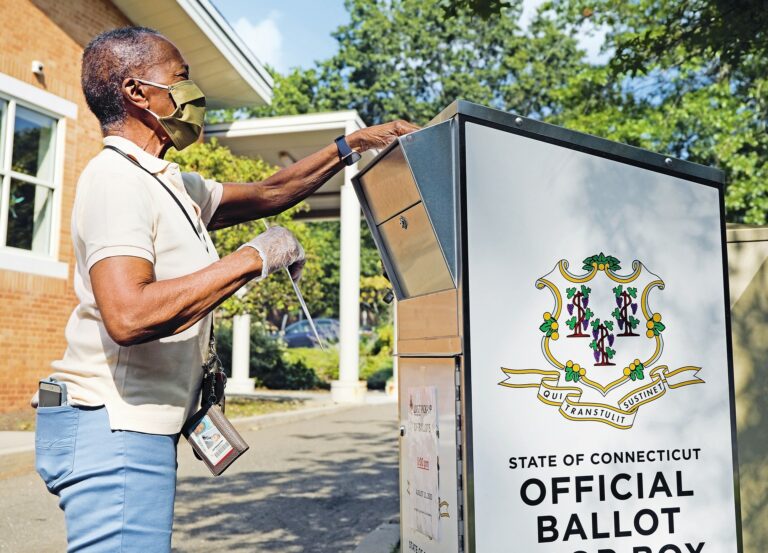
212,436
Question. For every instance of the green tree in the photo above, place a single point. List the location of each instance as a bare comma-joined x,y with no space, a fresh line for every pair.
483,8
409,59
686,78
270,299
730,34
294,93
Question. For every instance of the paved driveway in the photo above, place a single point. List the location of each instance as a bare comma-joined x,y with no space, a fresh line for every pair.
317,485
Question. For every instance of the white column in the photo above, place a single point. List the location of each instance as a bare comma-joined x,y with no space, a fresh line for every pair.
348,388
240,383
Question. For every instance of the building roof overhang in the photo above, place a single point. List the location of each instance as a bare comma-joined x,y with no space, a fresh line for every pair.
283,140
220,62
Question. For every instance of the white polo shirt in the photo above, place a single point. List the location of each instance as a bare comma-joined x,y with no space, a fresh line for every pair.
120,210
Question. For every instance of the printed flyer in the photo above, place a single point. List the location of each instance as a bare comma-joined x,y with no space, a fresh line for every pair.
422,436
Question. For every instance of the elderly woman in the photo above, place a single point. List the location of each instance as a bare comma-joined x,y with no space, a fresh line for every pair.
147,279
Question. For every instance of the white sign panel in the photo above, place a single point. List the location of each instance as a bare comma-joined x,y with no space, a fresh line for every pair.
428,382
421,462
600,409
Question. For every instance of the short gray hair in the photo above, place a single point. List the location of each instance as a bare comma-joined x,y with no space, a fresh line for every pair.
110,58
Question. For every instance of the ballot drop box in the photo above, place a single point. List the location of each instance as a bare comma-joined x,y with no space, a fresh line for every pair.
562,340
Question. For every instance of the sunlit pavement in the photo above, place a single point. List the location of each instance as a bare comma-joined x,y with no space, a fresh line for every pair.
312,485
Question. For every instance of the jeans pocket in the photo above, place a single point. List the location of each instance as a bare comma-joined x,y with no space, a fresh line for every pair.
55,435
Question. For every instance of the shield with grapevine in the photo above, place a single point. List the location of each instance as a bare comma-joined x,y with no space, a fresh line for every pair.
602,338
600,316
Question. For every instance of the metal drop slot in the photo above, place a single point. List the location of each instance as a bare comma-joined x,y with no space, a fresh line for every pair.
419,266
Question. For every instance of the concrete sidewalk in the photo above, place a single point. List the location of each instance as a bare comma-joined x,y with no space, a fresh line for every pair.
384,539
315,396
16,442
320,485
316,403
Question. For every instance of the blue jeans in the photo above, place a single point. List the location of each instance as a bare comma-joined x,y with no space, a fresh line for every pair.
116,488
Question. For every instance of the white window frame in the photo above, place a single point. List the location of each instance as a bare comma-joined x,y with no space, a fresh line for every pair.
18,93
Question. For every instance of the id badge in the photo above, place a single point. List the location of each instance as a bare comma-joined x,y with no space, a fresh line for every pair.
215,439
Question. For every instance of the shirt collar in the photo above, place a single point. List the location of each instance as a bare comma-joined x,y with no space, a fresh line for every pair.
151,163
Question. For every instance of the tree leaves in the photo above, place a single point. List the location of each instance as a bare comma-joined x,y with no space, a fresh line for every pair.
410,59
483,8
269,300
686,78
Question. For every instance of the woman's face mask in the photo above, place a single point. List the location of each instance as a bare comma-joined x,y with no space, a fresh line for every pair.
185,125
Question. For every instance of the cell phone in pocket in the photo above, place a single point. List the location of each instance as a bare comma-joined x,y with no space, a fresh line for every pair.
52,393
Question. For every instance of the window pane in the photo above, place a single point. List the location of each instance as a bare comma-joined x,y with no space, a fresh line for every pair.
29,217
3,111
33,143
299,328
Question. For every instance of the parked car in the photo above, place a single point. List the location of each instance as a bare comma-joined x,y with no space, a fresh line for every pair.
300,335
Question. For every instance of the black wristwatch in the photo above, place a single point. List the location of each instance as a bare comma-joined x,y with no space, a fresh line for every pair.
346,154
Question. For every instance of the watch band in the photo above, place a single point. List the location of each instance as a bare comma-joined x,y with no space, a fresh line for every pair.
346,154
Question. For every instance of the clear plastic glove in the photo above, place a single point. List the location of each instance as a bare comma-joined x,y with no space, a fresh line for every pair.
278,248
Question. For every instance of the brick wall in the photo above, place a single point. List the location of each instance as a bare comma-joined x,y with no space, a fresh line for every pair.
34,310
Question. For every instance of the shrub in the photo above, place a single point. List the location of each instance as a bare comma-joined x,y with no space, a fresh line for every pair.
324,363
376,370
375,360
275,366
268,363
376,356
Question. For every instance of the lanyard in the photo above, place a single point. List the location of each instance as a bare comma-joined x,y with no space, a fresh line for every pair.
175,199
212,364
